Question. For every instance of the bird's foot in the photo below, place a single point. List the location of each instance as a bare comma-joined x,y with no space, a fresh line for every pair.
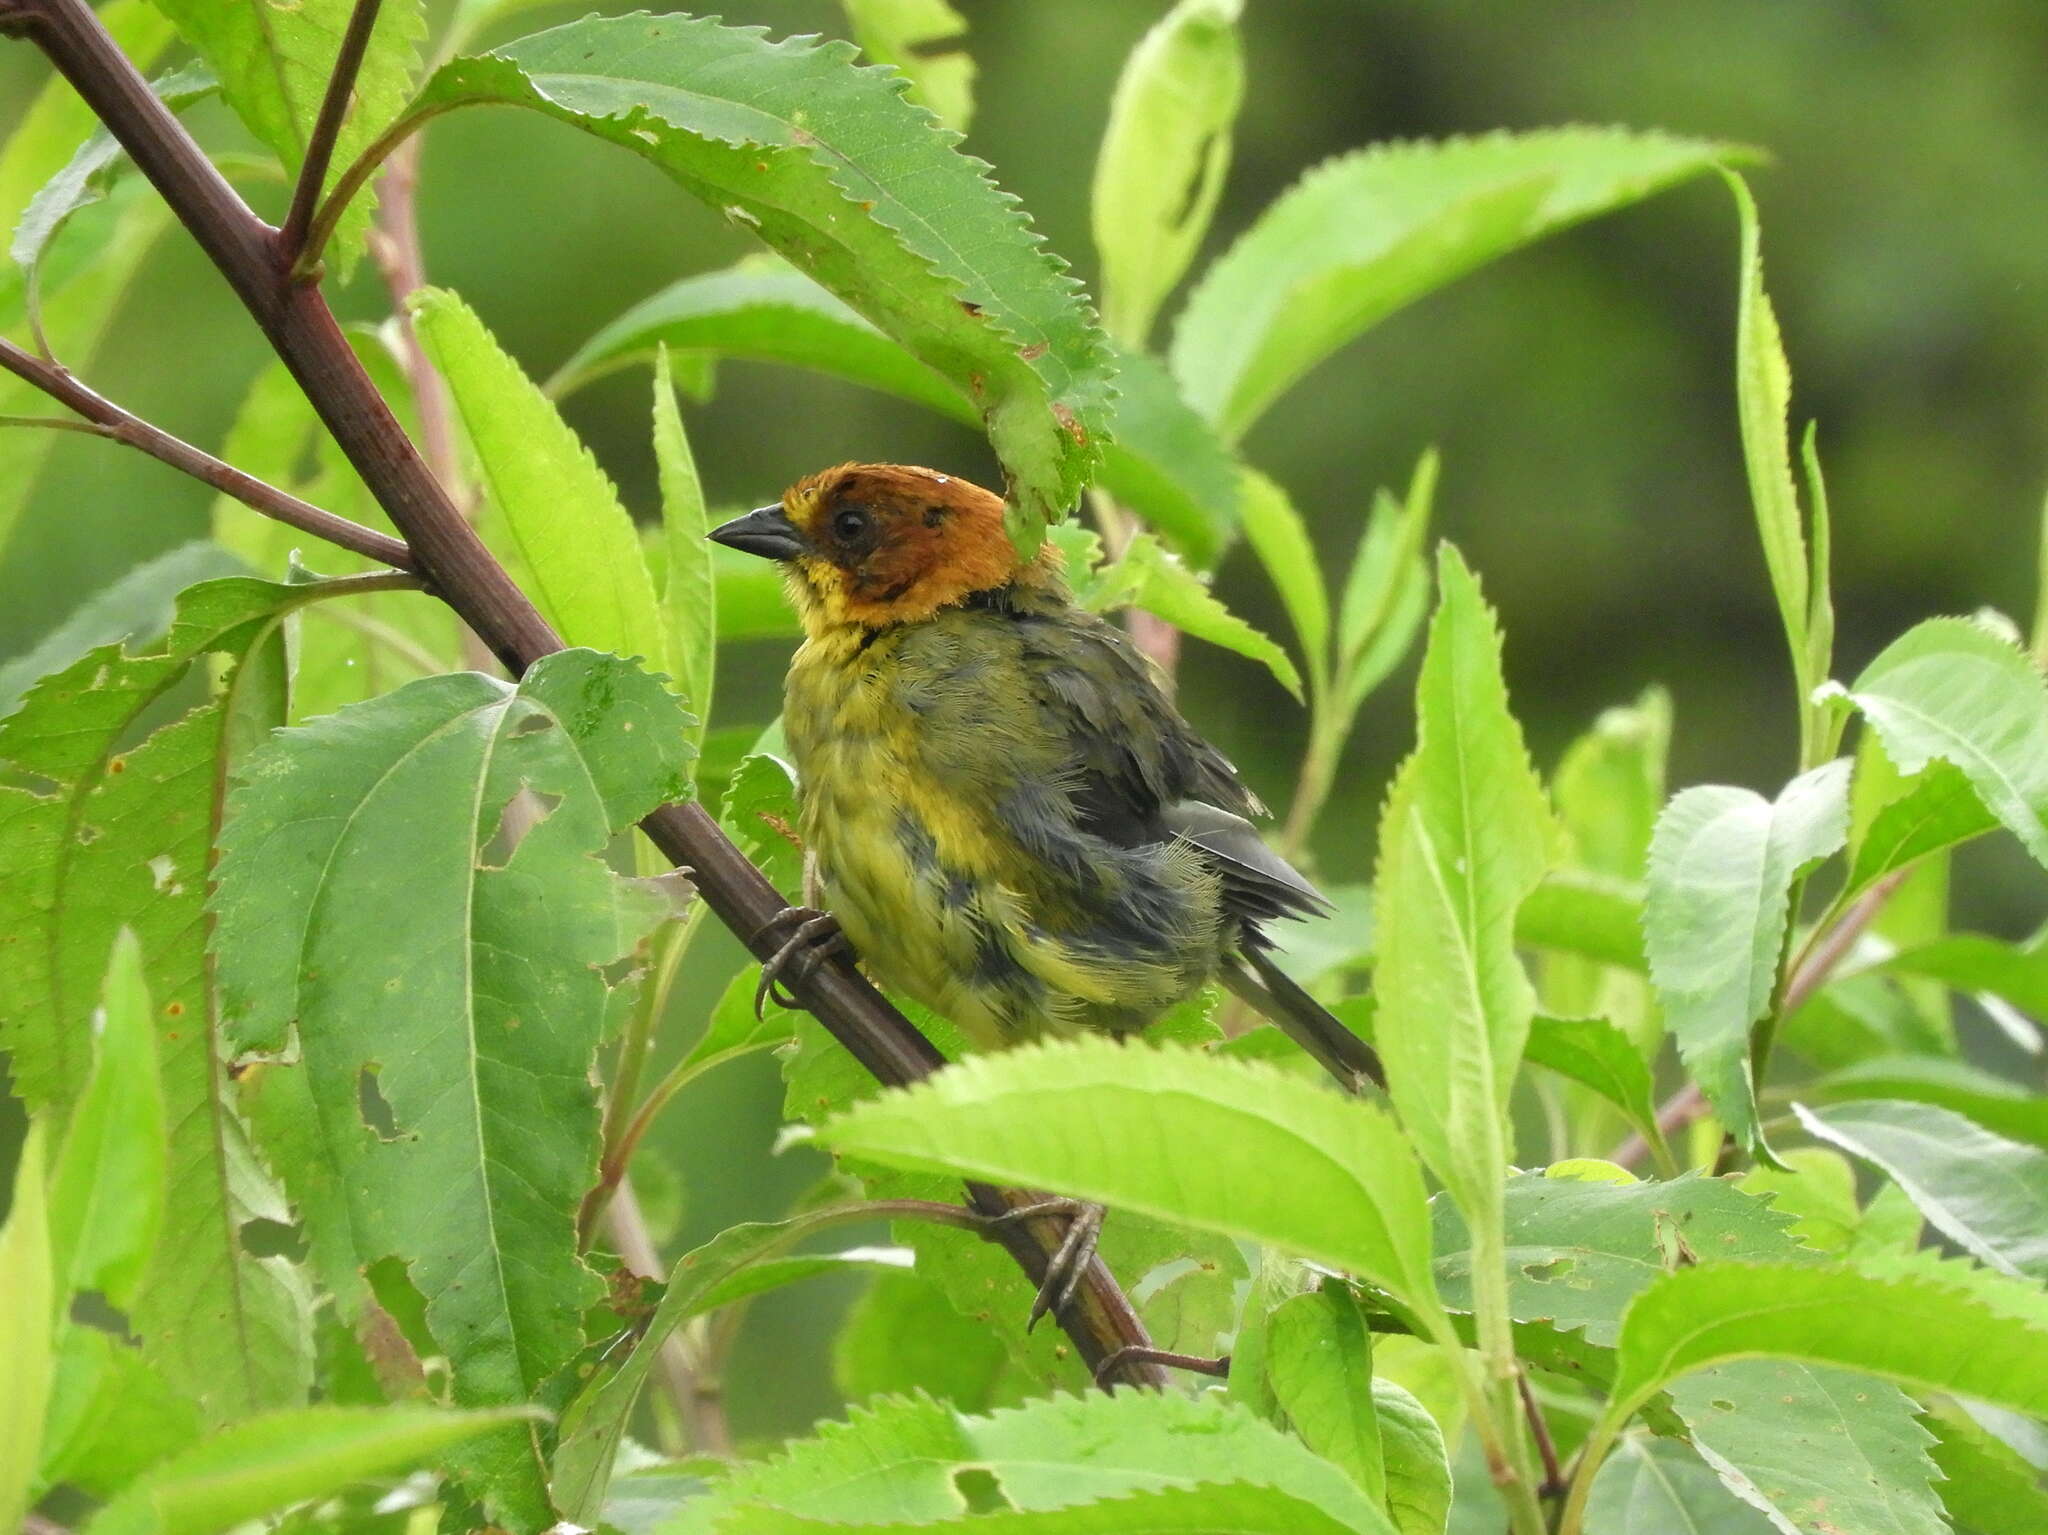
1068,1265
813,937
1138,1353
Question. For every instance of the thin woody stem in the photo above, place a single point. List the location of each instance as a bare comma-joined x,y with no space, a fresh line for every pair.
300,257
304,333
103,418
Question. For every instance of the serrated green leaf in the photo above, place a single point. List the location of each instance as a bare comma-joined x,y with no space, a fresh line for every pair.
1163,157
1979,966
457,1117
1101,1121
266,1464
1817,1186
759,813
861,189
111,1416
1365,234
1161,459
1149,577
552,510
1763,390
28,1301
124,838
896,1460
1465,837
689,594
107,1190
134,607
1597,1055
1951,690
1924,1328
1659,1487
1320,1368
1418,1471
1985,1193
1722,866
1812,1445
273,63
1578,1251
1938,810
1989,1489
925,40
1280,539
1211,1508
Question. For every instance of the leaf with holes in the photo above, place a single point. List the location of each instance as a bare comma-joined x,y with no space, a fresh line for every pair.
829,165
1365,234
898,1460
457,1116
1722,866
122,838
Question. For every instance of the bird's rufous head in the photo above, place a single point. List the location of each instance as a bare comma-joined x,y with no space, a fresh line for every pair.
879,544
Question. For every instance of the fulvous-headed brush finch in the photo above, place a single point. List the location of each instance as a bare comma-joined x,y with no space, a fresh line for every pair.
1008,819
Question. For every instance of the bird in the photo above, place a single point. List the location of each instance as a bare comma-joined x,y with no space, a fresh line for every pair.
1003,813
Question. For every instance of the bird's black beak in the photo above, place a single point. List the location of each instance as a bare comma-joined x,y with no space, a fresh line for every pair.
766,531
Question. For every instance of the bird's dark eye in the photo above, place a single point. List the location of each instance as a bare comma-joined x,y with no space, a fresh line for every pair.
849,524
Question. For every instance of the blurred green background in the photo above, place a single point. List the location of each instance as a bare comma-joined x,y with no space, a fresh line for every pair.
1581,392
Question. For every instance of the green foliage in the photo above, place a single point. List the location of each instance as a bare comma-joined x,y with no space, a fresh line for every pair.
923,38
861,190
27,1289
1723,867
1163,157
1657,1487
689,590
1363,235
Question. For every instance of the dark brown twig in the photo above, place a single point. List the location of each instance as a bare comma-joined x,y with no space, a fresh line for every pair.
306,337
297,256
103,418
1554,1483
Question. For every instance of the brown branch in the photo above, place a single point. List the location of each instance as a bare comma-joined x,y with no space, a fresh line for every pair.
301,259
306,337
103,418
1554,1483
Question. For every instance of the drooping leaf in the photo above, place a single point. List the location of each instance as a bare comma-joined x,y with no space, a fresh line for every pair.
689,595
552,510
1386,593
1813,1445
897,1459
1161,459
107,1190
1922,1327
457,1117
1983,1192
273,63
1278,536
1102,1121
28,1295
1722,867
924,39
1950,690
1654,1486
1320,1367
1938,810
1365,234
1164,153
1597,1055
1156,580
264,1465
1465,836
1992,1101
1978,966
861,189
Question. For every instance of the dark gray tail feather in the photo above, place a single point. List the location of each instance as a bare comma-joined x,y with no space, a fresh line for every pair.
1252,975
